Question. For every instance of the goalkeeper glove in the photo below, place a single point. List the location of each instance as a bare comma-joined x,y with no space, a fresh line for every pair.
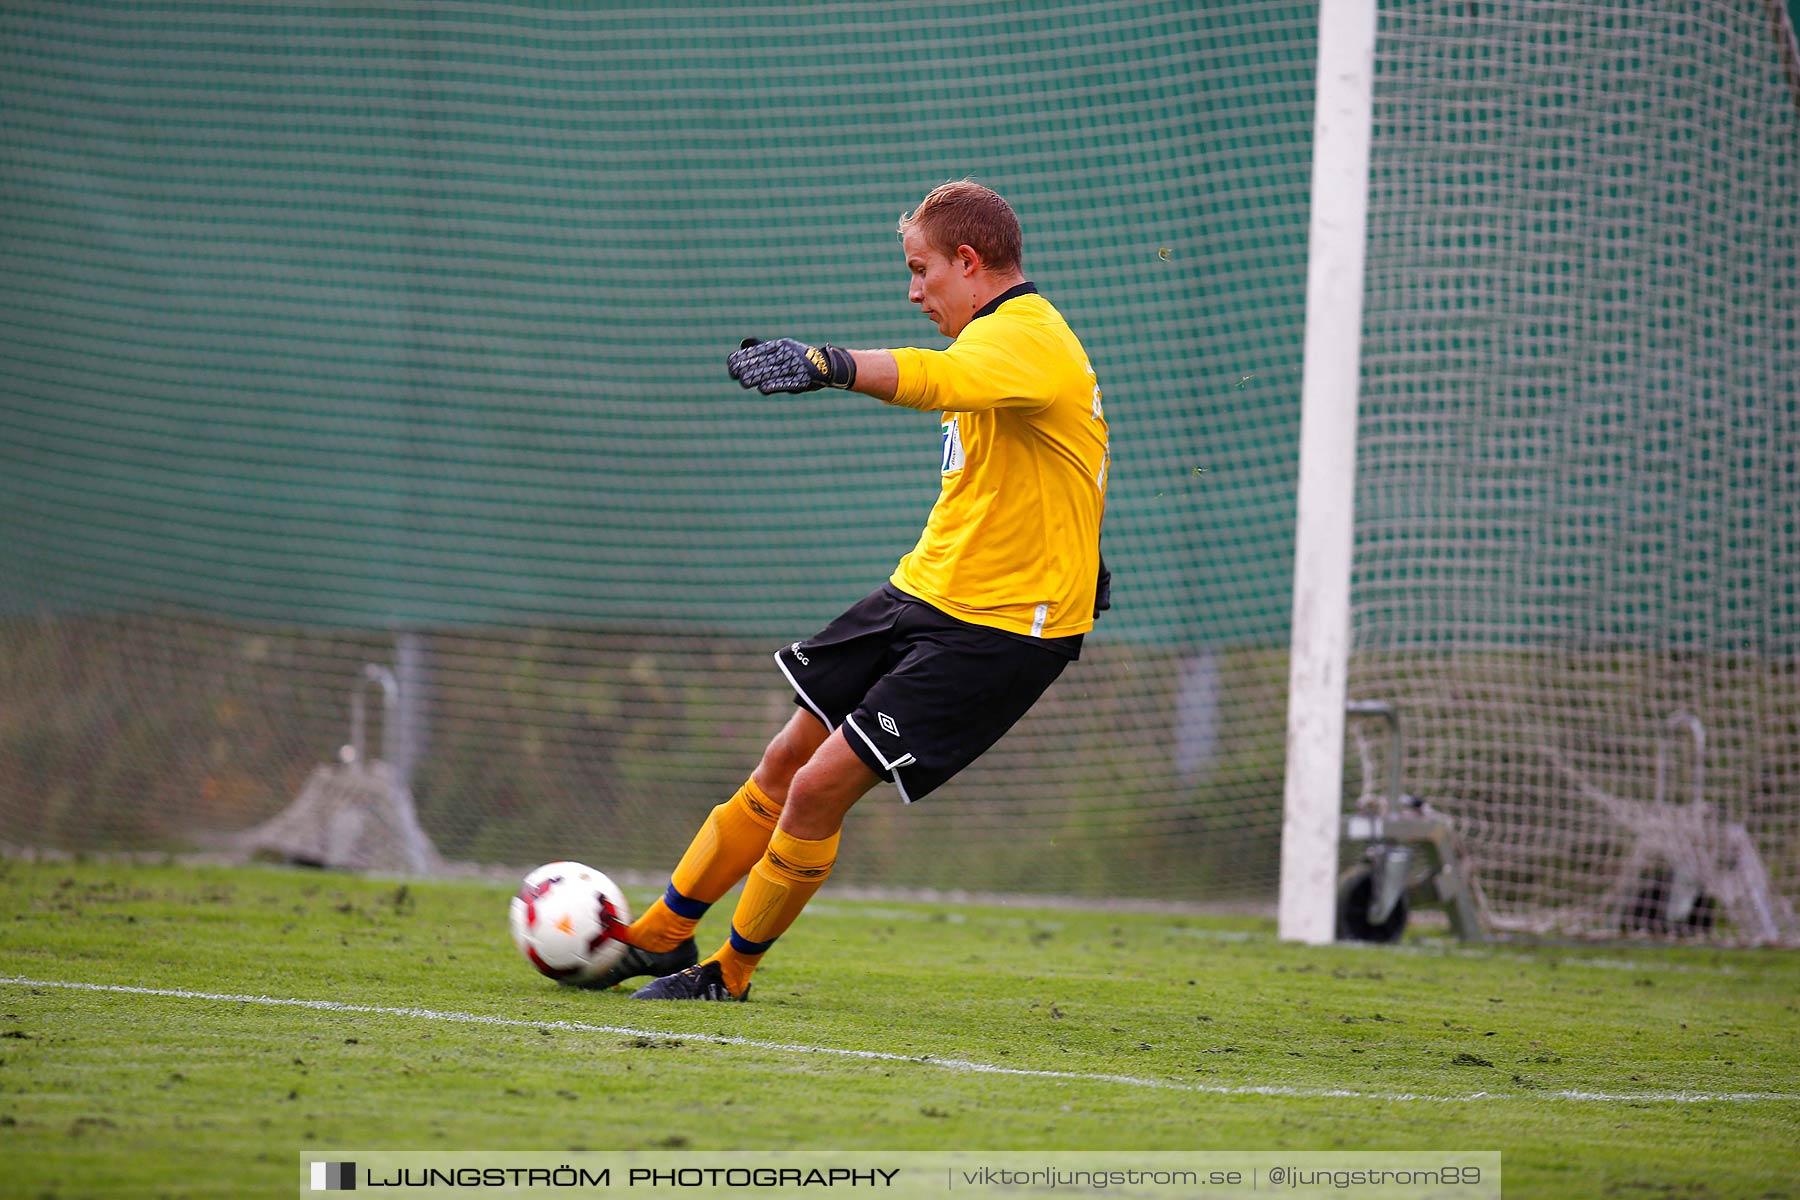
786,365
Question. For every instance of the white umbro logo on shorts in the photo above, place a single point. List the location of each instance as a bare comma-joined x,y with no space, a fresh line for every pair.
888,724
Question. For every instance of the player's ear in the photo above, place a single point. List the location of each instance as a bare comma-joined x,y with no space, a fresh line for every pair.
968,260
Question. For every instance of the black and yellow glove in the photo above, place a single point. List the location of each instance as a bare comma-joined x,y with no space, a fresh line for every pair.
785,365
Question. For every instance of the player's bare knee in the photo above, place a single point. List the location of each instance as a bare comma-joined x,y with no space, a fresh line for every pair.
826,788
775,773
815,809
787,752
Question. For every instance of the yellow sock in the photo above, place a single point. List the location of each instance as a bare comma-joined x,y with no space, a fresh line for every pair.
734,837
778,888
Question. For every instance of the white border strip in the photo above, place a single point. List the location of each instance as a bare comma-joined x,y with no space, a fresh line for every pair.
826,721
800,691
893,768
948,1064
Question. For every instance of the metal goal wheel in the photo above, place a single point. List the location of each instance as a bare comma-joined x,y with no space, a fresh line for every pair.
1359,919
1411,854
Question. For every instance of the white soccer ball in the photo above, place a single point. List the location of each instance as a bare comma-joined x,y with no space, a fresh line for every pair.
567,920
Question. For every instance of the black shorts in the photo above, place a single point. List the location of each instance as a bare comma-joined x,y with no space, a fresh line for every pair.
920,694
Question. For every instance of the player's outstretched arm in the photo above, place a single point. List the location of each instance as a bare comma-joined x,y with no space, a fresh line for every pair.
786,365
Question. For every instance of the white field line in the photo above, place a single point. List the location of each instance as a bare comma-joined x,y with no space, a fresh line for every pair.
948,1064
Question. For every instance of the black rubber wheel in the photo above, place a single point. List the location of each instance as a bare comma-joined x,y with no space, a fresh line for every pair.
1355,890
1651,909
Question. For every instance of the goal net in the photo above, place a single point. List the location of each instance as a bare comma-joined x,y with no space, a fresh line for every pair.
1576,548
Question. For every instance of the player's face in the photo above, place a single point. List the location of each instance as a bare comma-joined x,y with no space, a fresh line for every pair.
941,284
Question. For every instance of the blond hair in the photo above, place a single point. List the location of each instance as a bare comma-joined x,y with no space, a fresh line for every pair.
964,213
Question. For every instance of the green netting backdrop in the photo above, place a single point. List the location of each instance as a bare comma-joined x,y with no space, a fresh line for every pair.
333,336
416,318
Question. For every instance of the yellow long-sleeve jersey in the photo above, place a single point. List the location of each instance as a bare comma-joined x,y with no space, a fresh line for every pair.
1013,542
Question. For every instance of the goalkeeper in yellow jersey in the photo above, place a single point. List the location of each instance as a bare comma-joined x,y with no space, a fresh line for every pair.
918,679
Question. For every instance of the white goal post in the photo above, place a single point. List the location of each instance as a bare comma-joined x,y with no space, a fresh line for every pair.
1323,531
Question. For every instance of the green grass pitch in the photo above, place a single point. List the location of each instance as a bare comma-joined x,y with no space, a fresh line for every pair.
1596,1071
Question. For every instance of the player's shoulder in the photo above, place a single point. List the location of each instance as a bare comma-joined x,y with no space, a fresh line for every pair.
1032,308
1029,317
1040,325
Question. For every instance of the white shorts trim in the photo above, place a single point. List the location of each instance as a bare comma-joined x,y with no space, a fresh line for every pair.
801,692
892,768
